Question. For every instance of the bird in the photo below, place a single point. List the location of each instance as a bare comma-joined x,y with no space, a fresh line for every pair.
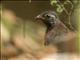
57,33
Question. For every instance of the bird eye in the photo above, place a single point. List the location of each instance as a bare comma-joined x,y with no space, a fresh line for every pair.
47,16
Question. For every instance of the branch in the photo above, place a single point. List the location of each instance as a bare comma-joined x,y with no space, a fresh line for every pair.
68,13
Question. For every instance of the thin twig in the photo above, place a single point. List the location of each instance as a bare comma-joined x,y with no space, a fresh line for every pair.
68,13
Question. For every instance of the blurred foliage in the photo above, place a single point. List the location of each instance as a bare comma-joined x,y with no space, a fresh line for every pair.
65,8
13,27
60,5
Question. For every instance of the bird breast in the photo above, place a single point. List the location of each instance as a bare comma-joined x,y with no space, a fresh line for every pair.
57,34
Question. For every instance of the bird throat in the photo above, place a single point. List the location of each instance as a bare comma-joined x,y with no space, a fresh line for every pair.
49,26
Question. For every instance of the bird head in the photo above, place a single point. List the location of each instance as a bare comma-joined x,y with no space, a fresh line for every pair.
47,17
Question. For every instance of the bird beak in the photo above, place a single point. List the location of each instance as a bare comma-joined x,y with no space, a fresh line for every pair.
39,17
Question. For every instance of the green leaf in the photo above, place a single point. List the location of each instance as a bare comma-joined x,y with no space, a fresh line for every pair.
53,2
59,8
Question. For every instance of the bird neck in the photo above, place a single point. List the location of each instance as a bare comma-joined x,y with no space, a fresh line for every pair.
49,26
